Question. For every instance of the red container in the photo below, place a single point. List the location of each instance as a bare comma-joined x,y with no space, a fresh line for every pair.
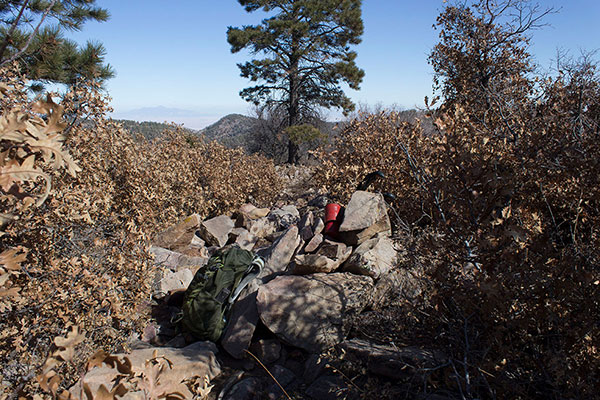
334,215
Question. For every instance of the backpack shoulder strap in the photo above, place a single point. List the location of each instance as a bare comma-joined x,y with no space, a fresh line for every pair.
252,272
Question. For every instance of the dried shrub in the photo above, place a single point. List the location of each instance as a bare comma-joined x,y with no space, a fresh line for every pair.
79,257
511,226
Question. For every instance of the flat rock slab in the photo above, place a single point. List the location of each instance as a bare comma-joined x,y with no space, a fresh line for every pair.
312,312
314,243
168,281
180,234
175,261
390,361
242,323
196,360
329,257
279,255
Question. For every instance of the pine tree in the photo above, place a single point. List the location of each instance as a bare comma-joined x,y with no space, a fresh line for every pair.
32,34
306,49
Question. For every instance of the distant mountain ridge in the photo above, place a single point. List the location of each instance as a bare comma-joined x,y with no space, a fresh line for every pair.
233,130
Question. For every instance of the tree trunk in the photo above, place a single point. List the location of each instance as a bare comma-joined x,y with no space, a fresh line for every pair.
293,101
293,156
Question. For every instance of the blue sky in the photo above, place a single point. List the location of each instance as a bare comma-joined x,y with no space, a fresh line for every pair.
174,54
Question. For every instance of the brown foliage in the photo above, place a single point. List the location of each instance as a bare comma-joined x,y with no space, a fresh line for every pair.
74,243
504,199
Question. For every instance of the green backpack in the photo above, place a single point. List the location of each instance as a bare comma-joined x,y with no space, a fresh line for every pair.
214,289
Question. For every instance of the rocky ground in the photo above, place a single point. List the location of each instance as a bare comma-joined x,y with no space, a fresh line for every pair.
318,323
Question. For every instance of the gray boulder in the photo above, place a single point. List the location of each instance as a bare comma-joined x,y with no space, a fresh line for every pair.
364,217
242,323
373,257
197,360
327,259
215,231
313,311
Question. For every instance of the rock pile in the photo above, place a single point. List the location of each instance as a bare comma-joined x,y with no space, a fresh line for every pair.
309,292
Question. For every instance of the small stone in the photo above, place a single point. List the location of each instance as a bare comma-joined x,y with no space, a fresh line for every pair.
319,201
262,227
252,212
314,243
307,220
285,216
243,238
285,378
327,388
313,368
318,226
246,389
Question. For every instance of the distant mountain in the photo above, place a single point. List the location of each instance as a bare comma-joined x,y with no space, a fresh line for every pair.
150,130
233,130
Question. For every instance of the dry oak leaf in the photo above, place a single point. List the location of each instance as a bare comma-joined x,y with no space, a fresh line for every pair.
103,393
154,388
11,261
102,357
66,345
49,381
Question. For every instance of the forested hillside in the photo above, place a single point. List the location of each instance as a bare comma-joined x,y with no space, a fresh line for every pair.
148,129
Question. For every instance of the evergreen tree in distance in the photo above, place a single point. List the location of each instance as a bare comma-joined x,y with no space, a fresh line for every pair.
31,33
306,56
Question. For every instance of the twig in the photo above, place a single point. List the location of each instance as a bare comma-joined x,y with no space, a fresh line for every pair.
334,369
270,374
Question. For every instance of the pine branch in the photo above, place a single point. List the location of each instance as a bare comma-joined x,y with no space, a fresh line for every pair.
31,37
12,29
